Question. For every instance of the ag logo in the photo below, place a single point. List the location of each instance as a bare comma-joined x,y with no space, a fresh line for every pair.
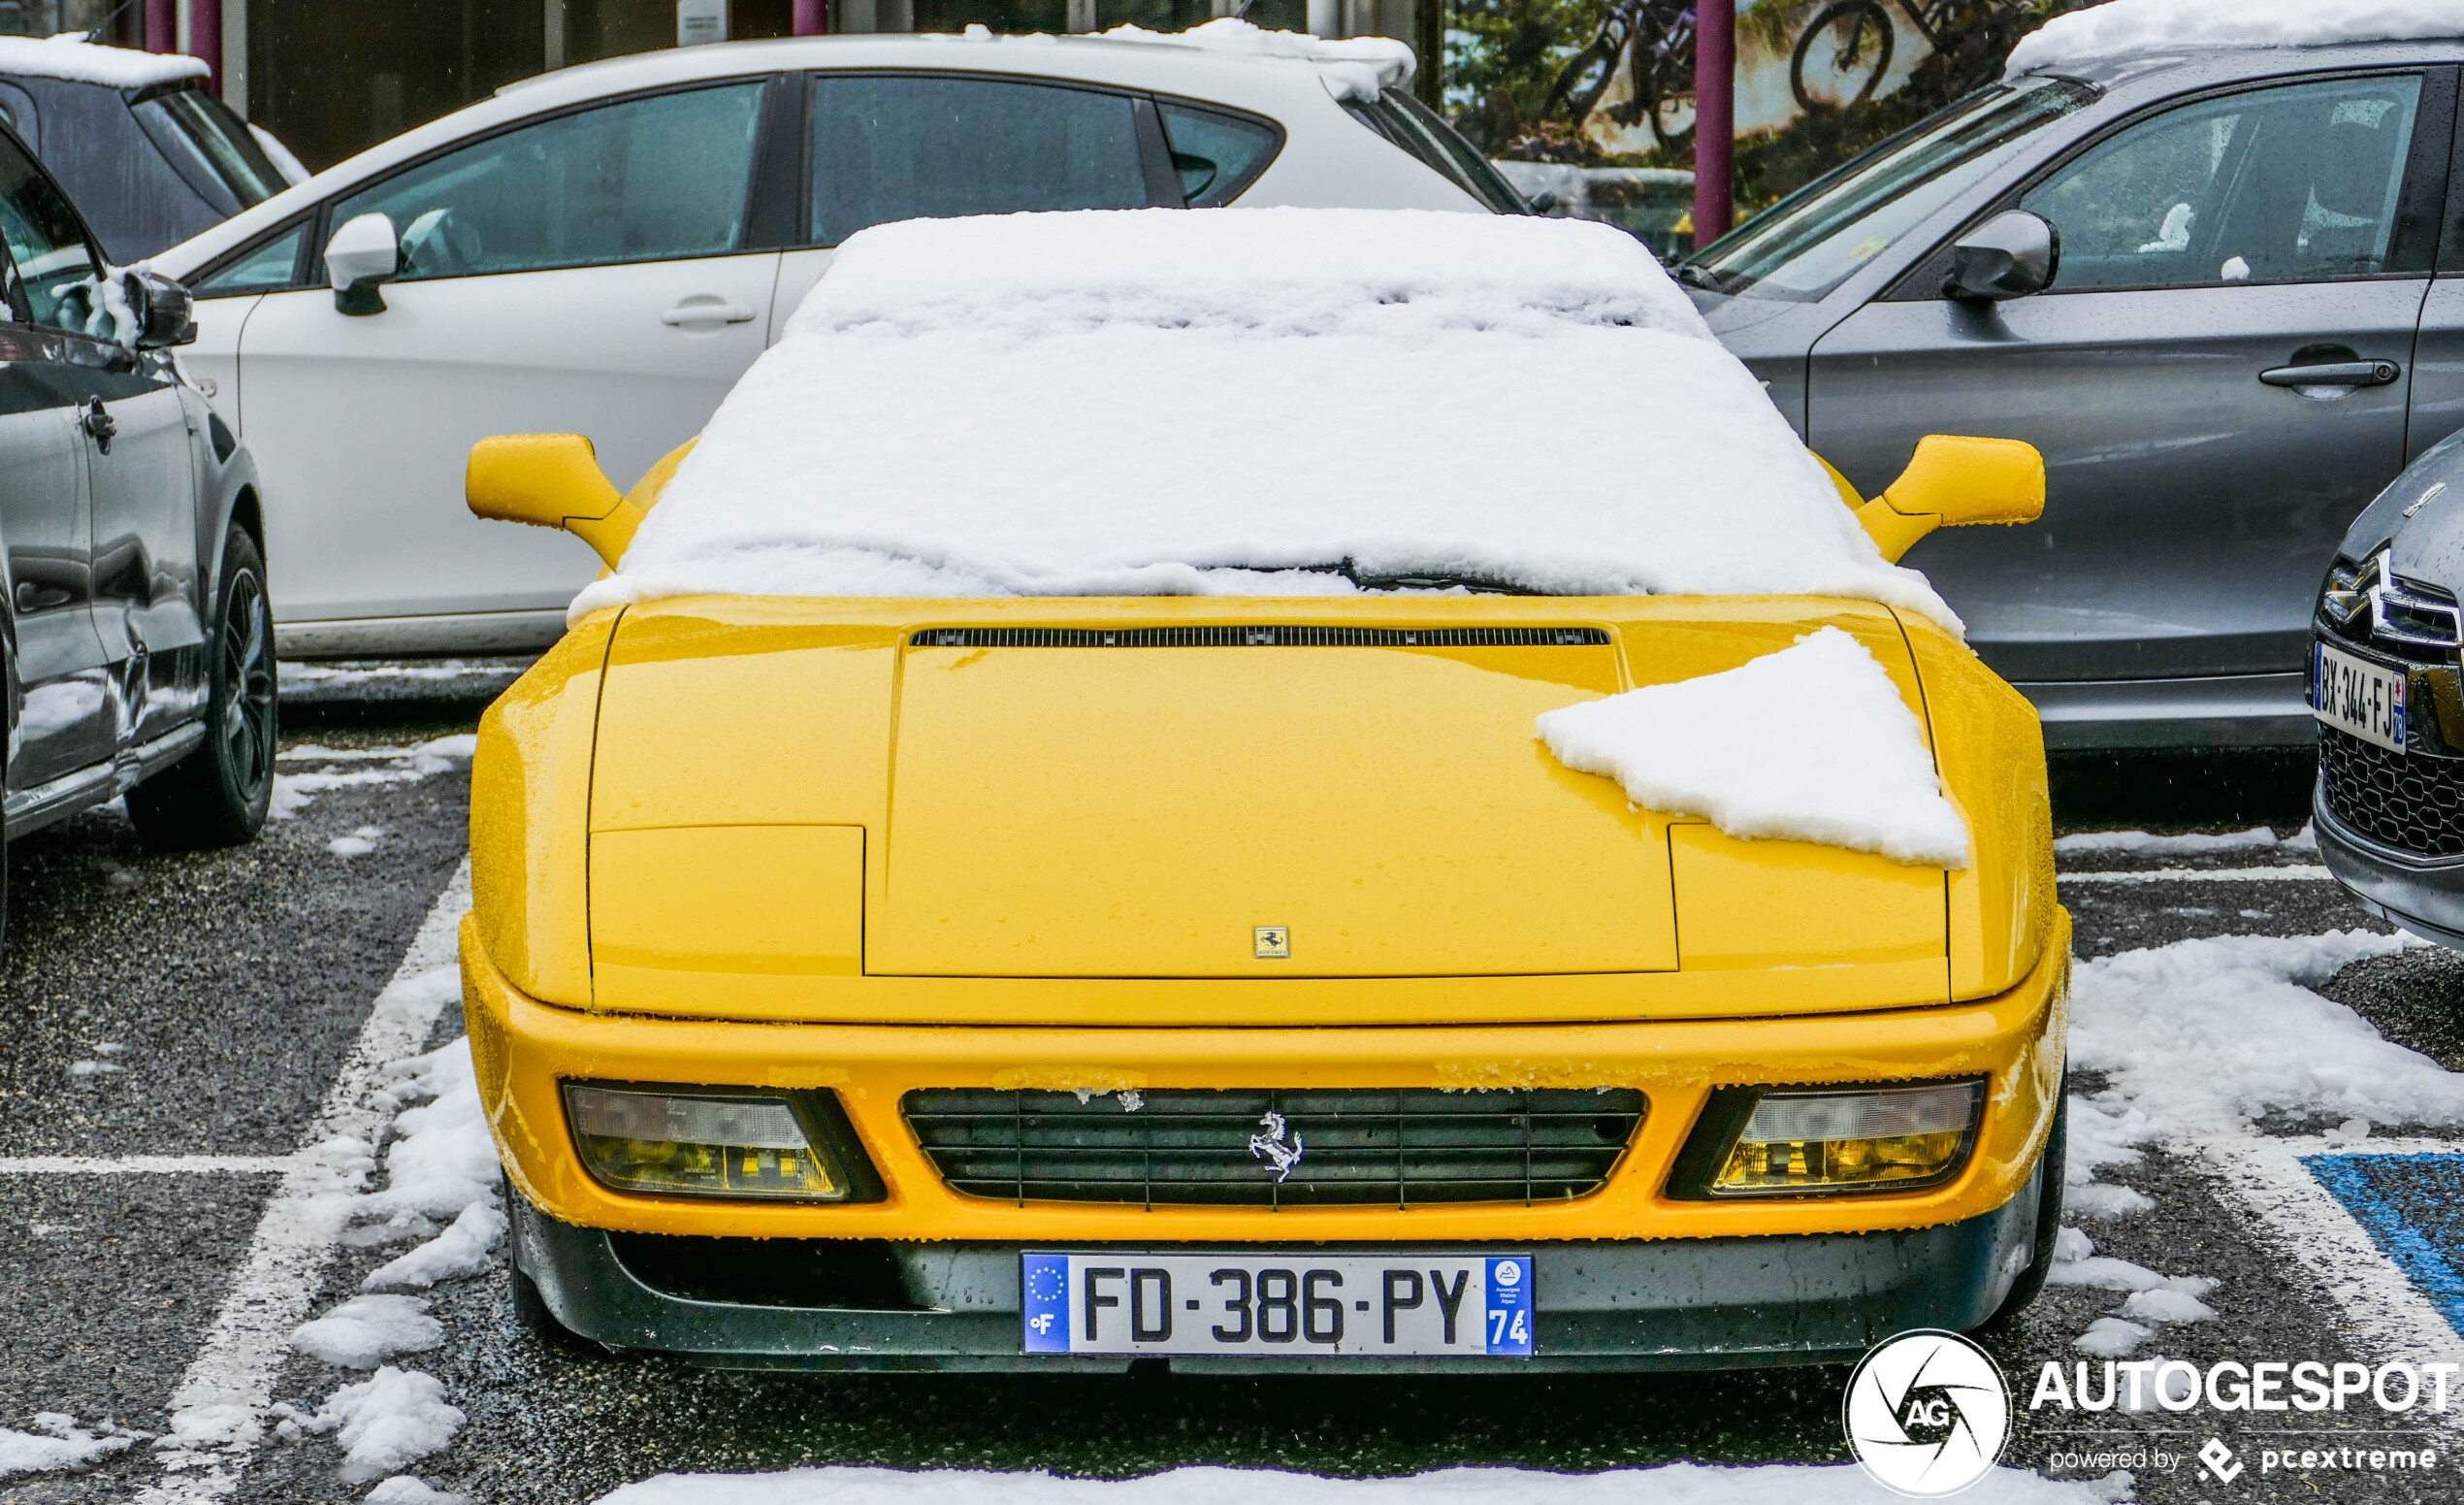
1927,1414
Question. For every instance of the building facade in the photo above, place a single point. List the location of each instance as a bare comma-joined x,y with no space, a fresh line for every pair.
332,77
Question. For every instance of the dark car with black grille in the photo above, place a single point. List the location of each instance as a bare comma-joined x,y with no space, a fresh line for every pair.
2386,679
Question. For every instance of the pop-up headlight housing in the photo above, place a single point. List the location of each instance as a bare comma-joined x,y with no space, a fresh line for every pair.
703,1142
1836,1141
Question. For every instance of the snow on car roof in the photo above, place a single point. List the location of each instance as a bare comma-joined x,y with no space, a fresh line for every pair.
1366,65
74,58
1250,402
2122,28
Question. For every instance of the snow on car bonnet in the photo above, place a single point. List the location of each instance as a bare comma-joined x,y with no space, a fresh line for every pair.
1248,402
2122,28
1871,788
74,58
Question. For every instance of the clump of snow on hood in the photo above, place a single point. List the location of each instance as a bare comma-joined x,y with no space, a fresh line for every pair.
2122,28
1871,787
71,56
1237,402
1362,66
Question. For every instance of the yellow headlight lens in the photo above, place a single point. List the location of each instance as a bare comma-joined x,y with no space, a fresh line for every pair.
1861,1140
687,1144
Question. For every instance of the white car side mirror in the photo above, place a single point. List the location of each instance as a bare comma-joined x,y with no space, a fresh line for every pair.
363,253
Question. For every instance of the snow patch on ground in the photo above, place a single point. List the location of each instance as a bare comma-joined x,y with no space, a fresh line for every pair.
2121,28
1675,1483
359,844
58,1443
364,1331
2194,844
386,1420
819,475
1873,788
409,764
2201,1036
299,673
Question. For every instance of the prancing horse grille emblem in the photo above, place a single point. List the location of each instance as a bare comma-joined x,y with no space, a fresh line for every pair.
1274,942
1271,1148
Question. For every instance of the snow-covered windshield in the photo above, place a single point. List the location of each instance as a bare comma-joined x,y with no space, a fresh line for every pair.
1250,402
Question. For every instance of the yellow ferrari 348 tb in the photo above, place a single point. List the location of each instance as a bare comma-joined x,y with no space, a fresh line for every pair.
1272,789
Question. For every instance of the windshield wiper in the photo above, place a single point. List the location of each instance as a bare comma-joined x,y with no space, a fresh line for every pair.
1693,275
1420,580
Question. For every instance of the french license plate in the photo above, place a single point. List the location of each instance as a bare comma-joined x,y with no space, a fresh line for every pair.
2356,696
1265,1305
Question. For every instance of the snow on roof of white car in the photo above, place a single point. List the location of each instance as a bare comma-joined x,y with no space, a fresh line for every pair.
2123,28
1367,64
72,57
1254,402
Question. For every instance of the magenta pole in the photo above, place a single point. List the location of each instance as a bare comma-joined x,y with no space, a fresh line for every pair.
205,36
1714,118
812,18
162,25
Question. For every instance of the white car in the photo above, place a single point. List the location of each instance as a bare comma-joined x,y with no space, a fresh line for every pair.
604,251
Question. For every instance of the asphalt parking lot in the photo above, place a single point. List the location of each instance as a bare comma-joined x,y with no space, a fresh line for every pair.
202,1005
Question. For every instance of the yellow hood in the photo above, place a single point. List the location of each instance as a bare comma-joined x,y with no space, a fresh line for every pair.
1196,810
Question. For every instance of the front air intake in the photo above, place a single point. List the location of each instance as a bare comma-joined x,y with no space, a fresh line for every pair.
1343,1147
1260,637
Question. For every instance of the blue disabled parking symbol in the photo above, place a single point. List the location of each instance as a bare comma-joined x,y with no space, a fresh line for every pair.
1046,1289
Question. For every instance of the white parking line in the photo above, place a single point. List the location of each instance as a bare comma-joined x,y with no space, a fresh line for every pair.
144,1164
2290,874
2307,1224
216,1411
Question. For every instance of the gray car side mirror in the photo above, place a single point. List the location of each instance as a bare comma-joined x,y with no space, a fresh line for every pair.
362,254
2010,255
165,312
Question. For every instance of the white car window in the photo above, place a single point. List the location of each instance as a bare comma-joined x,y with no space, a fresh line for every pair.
888,148
646,179
2296,182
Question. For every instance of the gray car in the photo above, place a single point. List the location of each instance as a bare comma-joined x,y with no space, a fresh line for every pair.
2222,291
2388,694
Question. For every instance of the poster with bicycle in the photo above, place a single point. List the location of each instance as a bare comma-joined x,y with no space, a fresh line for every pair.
1594,85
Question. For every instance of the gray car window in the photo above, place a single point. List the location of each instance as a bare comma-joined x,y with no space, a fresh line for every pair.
1810,241
54,266
889,147
647,180
2297,183
271,263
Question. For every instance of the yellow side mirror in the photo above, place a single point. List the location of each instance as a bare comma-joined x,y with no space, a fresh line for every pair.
1954,482
550,480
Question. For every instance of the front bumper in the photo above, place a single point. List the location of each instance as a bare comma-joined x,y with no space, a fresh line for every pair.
2222,710
1635,1305
2424,895
1629,1275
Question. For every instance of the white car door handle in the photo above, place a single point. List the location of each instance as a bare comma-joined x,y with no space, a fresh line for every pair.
692,313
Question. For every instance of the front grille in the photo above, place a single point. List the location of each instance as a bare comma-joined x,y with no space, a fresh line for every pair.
1260,637
1359,1146
2409,801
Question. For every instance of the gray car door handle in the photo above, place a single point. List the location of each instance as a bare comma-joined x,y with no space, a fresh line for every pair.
2334,373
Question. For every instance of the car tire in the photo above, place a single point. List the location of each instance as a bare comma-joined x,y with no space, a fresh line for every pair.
218,795
2049,1205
